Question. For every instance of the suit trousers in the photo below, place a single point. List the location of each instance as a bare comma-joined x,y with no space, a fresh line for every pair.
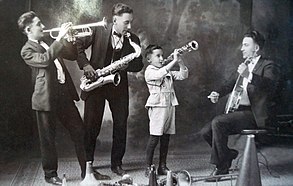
217,131
67,113
118,99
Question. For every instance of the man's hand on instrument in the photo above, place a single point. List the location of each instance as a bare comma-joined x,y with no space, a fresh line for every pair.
65,27
89,72
214,96
243,70
71,35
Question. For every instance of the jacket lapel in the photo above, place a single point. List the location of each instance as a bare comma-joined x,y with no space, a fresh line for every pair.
258,64
36,46
107,36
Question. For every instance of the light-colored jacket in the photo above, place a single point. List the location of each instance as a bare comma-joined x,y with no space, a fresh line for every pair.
160,85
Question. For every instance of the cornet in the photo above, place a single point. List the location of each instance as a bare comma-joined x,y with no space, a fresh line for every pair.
191,46
79,30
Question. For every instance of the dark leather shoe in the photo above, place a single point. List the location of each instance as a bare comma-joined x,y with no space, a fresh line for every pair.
54,180
217,172
233,155
100,176
162,170
118,170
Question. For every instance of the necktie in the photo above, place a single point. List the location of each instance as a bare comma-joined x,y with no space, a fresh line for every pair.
117,41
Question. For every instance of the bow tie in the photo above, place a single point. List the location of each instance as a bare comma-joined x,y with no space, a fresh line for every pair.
117,34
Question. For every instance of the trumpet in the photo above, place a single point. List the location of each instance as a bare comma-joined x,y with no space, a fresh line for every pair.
191,46
79,30
184,178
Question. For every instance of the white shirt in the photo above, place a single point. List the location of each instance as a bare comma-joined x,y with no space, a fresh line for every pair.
117,42
245,100
60,72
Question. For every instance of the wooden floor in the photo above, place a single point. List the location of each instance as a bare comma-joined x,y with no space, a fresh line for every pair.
24,168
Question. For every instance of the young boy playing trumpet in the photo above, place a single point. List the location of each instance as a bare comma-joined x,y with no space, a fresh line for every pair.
161,103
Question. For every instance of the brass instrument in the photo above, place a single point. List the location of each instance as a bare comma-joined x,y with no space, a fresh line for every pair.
79,30
192,45
184,178
109,73
179,178
236,94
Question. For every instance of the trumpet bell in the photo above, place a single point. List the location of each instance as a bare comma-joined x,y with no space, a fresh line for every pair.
183,178
179,178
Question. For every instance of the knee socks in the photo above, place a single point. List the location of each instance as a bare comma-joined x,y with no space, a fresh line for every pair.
152,143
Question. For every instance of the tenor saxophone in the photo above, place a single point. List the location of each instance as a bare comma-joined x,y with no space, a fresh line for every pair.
109,73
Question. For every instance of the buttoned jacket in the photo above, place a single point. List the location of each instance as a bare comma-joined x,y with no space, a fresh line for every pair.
261,90
99,41
44,76
160,84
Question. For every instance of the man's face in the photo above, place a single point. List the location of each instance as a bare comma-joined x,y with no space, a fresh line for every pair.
249,47
156,58
35,29
122,23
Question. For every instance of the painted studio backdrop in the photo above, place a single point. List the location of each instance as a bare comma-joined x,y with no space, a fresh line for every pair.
217,26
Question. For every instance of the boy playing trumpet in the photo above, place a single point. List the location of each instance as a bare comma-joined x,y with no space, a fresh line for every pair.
161,103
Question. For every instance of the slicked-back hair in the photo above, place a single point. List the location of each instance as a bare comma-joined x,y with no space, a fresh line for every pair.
149,49
25,20
120,8
257,37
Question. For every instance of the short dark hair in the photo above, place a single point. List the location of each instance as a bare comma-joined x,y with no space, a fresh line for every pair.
257,37
25,20
120,8
149,49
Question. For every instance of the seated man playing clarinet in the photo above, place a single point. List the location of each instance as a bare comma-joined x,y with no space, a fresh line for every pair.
250,104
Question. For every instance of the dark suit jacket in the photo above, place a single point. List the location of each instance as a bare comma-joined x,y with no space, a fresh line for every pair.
44,72
99,42
261,90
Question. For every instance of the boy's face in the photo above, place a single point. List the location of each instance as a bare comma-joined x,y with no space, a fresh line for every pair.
122,23
156,58
35,29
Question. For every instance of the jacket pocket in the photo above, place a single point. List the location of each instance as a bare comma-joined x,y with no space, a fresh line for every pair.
154,99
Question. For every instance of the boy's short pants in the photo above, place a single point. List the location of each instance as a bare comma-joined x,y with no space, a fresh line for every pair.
162,120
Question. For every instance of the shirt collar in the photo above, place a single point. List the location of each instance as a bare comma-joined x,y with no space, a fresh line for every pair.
114,30
255,60
33,40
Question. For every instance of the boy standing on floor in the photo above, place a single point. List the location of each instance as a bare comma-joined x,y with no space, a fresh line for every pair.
161,103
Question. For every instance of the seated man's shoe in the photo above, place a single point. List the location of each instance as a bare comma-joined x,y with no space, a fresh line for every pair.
100,176
233,155
162,170
118,170
217,172
54,180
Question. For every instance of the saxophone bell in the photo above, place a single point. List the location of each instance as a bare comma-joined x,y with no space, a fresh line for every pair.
110,74
88,85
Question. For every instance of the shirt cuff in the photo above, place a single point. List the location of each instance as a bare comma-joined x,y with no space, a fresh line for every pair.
250,77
